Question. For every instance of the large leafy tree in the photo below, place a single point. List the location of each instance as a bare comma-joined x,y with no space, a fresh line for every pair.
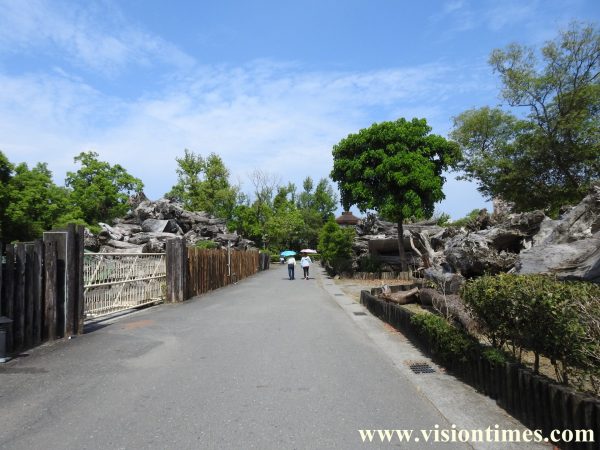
30,202
394,168
335,246
316,205
203,185
99,190
551,155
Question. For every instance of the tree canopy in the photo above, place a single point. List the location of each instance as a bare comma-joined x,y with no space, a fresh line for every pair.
99,190
30,202
551,155
394,168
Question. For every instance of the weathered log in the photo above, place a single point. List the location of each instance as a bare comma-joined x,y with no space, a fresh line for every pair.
400,298
450,306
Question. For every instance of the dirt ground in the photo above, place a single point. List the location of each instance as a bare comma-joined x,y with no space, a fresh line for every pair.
353,287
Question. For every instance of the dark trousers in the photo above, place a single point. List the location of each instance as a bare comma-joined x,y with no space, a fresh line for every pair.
291,271
305,269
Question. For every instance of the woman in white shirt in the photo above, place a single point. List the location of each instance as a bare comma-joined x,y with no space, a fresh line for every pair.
305,263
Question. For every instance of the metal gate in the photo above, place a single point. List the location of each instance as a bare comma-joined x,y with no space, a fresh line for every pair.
119,281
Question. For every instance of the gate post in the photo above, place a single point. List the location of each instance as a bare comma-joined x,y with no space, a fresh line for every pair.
176,260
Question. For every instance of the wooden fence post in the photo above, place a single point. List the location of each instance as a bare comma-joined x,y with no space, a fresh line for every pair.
50,289
38,292
29,294
19,320
2,310
176,270
80,303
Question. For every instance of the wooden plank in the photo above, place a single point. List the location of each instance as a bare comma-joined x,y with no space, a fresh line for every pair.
71,282
38,292
2,307
50,290
9,288
29,296
80,298
176,270
19,320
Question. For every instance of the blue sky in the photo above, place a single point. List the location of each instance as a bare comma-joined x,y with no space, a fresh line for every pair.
269,85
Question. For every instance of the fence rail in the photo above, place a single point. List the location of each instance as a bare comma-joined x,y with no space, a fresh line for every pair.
211,269
116,282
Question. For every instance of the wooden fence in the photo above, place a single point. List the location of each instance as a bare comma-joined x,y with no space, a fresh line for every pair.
41,288
539,403
193,271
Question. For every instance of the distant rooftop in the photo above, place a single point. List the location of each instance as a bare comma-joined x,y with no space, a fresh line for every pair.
347,218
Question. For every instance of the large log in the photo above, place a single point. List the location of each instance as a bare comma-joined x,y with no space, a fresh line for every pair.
400,298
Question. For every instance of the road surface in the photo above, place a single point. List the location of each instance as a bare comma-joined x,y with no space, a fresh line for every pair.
268,364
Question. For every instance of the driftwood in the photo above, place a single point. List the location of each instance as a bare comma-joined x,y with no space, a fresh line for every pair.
400,298
450,306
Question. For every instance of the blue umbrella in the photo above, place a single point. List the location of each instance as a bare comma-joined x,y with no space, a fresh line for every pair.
287,253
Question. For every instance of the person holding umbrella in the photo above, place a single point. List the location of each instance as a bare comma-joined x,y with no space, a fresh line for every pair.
291,262
305,263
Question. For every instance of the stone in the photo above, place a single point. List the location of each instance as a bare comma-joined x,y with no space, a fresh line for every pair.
473,255
158,225
569,247
445,282
144,237
110,232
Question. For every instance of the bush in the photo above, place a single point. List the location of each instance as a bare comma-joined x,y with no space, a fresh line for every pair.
369,264
463,222
557,319
335,246
447,342
207,245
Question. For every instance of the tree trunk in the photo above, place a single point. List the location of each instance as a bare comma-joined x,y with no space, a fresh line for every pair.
401,251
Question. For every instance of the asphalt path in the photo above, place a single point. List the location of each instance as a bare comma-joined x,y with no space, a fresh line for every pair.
268,363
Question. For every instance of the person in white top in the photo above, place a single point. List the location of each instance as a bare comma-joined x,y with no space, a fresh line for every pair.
305,263
291,263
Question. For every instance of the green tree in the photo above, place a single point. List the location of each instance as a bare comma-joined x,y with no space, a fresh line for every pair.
335,246
99,190
550,157
316,205
395,168
33,203
6,169
189,178
203,185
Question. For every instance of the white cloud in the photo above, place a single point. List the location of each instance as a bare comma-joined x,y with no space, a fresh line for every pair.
272,117
99,40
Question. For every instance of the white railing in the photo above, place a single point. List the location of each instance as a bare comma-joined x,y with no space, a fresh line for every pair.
116,282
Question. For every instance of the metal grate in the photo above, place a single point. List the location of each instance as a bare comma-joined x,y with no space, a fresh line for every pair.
338,295
421,367
359,313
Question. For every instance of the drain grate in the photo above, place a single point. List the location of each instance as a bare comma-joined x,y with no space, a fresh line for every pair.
359,313
338,295
421,367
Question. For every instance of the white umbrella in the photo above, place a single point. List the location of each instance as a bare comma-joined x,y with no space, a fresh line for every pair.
308,250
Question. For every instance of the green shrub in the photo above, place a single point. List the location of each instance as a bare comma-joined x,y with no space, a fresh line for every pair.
494,355
369,264
464,221
335,246
207,245
558,319
447,342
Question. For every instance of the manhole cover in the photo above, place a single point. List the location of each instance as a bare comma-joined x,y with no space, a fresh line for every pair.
421,367
359,313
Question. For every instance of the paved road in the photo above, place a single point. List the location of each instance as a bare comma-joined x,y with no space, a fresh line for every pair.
267,364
